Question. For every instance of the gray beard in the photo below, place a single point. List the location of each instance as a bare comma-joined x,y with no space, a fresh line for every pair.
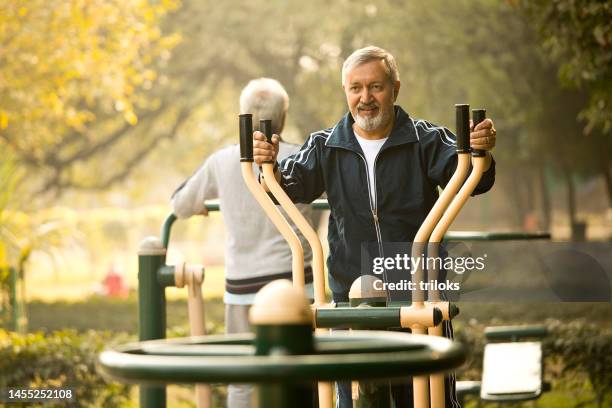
371,124
368,124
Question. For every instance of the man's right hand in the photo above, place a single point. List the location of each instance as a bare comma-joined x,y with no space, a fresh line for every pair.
264,151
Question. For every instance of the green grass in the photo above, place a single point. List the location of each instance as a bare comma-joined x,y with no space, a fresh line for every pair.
121,316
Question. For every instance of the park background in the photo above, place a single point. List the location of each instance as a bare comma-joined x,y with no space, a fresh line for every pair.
108,105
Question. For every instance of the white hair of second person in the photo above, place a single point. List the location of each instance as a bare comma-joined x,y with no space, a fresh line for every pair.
371,53
265,98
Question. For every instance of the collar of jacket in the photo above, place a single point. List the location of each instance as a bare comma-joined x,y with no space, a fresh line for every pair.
403,132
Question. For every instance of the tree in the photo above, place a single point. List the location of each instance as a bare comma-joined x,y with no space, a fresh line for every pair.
75,81
579,34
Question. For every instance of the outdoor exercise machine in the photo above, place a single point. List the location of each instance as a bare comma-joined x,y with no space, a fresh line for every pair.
284,358
420,316
361,318
452,199
326,315
518,349
155,275
297,252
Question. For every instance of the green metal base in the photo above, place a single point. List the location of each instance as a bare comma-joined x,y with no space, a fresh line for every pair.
356,355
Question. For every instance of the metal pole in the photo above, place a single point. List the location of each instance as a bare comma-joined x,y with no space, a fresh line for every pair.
282,321
192,276
420,384
325,389
151,309
437,389
266,203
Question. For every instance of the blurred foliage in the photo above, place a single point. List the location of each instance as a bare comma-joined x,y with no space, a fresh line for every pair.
576,352
499,63
20,232
131,93
584,350
579,34
9,245
6,305
75,75
62,359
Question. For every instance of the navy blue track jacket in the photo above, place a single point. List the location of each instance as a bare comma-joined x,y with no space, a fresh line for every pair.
416,158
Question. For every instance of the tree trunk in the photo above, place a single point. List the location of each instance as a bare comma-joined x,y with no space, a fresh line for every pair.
604,164
571,194
545,198
605,172
578,229
517,198
530,189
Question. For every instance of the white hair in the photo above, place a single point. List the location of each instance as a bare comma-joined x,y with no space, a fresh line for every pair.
265,98
371,53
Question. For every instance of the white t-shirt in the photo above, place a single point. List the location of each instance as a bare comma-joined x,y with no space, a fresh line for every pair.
370,149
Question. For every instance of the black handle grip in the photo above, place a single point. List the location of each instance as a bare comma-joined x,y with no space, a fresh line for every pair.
478,115
462,115
265,127
246,137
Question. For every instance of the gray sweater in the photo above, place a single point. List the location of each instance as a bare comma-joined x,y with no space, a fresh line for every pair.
254,247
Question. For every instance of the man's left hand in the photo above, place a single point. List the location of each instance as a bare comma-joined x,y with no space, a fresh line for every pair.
483,137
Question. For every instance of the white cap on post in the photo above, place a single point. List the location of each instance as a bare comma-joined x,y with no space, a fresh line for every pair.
151,245
363,288
280,303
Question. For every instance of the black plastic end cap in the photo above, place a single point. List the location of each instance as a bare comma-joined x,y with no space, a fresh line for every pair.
453,310
437,316
246,137
462,125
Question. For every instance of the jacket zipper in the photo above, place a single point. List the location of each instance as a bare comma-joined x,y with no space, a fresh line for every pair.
375,206
373,200
373,203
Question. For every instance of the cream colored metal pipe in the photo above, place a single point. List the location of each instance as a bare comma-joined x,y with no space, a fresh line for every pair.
325,389
468,188
420,383
192,276
416,317
449,216
437,380
246,130
297,252
304,227
436,212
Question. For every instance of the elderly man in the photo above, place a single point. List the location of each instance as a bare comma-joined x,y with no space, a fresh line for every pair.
379,167
255,251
